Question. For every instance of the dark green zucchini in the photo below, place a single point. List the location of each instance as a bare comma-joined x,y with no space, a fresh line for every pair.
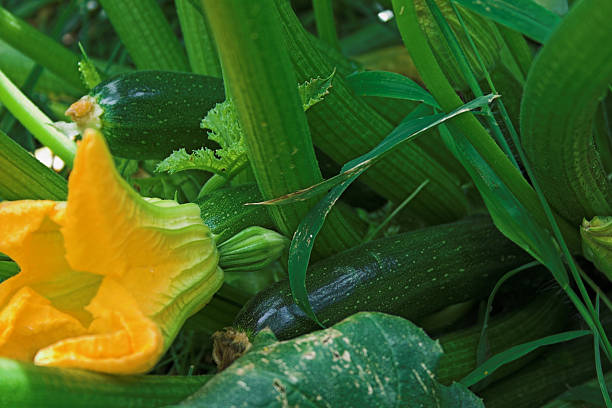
396,275
225,214
149,114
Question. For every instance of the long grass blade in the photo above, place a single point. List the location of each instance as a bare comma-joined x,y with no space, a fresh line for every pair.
513,353
146,34
306,233
524,16
389,85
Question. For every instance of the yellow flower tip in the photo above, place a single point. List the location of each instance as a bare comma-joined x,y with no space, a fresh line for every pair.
108,278
29,322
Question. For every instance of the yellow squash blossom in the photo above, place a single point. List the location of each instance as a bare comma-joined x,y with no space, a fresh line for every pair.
107,277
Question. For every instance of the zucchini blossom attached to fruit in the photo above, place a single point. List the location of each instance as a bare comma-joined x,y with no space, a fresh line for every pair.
597,243
107,277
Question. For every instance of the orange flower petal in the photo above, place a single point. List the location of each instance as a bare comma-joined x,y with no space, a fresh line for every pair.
30,232
28,322
123,340
160,252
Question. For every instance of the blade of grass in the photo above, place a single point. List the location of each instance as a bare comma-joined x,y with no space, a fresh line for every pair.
464,66
389,85
399,208
598,367
35,121
483,348
146,34
306,234
23,177
513,353
364,162
524,16
324,20
201,50
256,67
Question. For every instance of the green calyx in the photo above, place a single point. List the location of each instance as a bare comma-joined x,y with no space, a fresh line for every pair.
251,249
597,242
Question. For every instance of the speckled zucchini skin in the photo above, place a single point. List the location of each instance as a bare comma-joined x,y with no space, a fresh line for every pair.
395,275
225,212
149,114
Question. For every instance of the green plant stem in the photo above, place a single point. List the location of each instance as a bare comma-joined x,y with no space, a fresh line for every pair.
35,121
24,177
324,20
40,47
258,71
146,34
199,43
438,85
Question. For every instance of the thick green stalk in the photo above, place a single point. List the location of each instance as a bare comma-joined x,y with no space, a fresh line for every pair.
25,385
438,85
200,46
324,20
35,121
261,80
40,47
345,127
146,34
567,79
24,177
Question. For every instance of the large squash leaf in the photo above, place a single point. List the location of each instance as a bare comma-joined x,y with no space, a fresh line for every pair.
367,360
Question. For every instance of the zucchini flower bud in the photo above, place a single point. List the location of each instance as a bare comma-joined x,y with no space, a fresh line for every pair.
597,243
252,249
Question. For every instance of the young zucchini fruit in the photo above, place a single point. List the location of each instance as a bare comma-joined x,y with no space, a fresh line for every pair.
149,114
395,275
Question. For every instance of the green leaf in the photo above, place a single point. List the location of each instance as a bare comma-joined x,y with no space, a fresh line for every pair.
313,91
524,16
367,360
8,269
88,71
516,352
389,85
224,128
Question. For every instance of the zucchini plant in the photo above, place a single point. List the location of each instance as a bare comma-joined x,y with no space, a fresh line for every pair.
474,137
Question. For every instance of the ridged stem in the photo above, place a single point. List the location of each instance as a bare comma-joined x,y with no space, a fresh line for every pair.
324,20
23,177
262,83
146,34
567,79
200,46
